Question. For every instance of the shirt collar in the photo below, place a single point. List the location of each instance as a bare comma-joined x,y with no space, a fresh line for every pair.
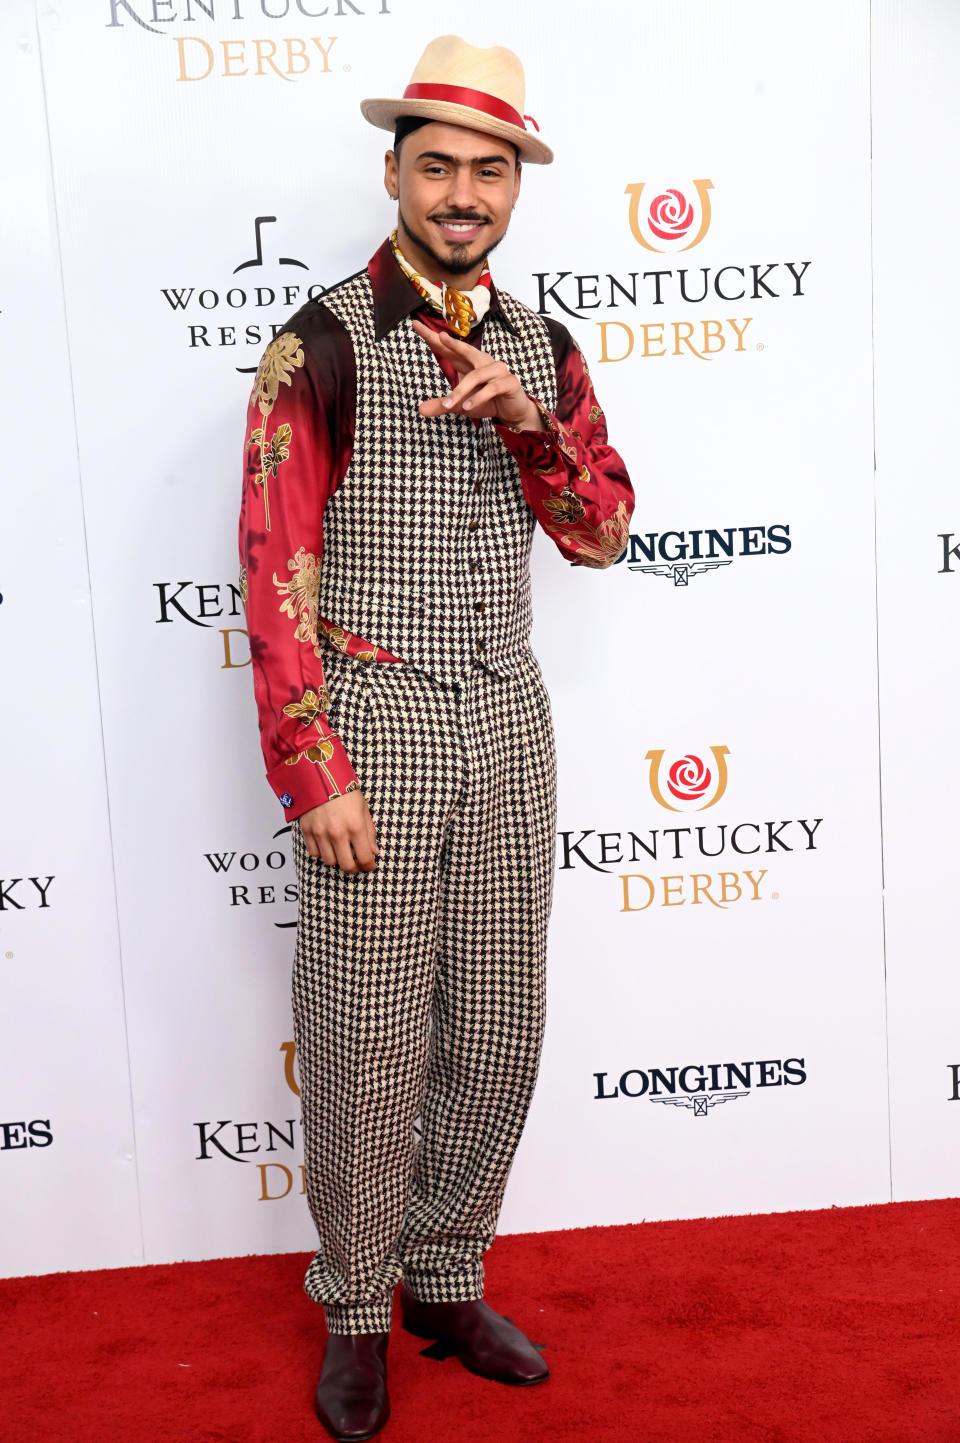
394,298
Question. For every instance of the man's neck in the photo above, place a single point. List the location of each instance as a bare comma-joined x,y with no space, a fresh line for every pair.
429,269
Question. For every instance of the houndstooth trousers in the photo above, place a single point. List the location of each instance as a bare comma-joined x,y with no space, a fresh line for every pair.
419,987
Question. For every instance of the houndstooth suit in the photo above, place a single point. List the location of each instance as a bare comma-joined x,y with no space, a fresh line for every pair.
385,575
419,987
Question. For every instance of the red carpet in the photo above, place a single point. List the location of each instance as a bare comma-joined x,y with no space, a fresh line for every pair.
812,1327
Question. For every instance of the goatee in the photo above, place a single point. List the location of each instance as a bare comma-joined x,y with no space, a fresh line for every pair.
456,262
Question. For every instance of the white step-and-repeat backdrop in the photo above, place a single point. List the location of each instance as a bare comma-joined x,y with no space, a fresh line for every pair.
774,347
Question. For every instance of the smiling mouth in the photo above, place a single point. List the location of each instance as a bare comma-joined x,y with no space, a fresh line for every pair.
460,230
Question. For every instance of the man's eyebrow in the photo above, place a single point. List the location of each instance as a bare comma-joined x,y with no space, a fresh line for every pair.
453,160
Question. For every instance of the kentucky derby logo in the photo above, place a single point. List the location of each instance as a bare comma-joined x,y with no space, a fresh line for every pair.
671,220
689,780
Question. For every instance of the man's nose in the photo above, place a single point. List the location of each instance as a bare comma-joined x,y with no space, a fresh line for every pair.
463,190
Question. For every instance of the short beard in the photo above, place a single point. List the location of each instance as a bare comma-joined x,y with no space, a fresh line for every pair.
459,261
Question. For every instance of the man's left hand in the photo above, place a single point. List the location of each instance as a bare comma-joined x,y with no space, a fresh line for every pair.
486,387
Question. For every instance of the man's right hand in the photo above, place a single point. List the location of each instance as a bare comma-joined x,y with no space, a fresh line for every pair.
341,833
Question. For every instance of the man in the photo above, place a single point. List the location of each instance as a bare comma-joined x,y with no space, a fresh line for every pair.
411,430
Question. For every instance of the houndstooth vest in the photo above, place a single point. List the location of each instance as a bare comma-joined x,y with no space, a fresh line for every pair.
427,538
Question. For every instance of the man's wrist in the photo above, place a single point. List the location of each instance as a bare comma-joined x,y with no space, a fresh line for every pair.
532,421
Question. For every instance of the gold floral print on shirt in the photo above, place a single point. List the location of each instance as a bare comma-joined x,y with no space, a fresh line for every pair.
244,589
600,546
566,507
552,468
335,634
278,450
272,455
299,595
277,364
310,708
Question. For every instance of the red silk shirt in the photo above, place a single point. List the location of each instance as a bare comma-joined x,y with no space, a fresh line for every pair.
299,440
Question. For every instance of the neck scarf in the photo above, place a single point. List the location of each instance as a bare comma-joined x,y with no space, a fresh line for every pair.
462,310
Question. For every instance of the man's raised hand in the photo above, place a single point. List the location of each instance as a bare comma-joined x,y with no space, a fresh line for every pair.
486,387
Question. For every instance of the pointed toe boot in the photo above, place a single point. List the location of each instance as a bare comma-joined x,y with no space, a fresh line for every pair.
351,1398
486,1343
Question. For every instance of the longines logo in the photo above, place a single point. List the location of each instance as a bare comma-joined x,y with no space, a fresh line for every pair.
203,604
17,1135
668,220
691,781
698,1088
243,57
230,315
680,555
253,880
21,894
240,1141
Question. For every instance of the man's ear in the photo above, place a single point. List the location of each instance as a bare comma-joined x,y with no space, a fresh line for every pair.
391,174
516,179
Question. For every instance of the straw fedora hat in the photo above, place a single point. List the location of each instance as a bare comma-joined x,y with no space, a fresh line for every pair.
464,85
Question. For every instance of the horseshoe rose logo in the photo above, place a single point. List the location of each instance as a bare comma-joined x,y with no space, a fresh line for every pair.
689,780
669,217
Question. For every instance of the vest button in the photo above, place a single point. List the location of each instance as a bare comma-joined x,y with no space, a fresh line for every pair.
481,644
474,566
474,525
477,485
478,605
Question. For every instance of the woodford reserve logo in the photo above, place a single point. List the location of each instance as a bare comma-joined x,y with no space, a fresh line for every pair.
691,782
248,306
259,878
233,56
669,220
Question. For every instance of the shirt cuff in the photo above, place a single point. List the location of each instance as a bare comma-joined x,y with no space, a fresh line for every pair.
534,448
310,778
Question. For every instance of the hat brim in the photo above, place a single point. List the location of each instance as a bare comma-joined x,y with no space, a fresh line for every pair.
386,113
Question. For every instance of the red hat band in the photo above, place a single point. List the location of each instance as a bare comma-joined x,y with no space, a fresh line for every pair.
461,95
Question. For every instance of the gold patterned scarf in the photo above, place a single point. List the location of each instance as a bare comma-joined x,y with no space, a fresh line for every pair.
462,310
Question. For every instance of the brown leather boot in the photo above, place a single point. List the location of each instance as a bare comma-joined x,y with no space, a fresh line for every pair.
486,1343
351,1398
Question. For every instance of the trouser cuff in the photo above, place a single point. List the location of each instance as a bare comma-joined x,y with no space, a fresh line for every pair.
461,1287
371,1317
